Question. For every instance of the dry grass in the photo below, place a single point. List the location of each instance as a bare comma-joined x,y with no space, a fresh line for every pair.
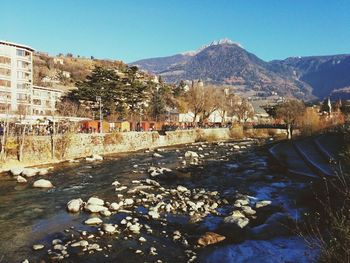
236,132
329,222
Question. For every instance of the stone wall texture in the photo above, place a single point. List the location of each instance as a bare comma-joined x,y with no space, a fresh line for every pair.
38,149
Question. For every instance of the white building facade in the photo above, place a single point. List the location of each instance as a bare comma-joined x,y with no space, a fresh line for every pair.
16,76
44,100
17,93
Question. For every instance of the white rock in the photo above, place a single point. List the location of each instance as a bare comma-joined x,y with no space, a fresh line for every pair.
191,154
142,239
29,172
114,206
95,201
134,228
247,210
241,202
262,203
128,201
56,242
43,171
59,247
97,157
16,171
42,183
82,243
237,218
153,214
115,183
152,182
118,189
95,208
38,246
109,228
105,213
93,221
21,179
74,205
181,188
157,155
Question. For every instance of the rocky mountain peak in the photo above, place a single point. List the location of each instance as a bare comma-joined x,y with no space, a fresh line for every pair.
223,41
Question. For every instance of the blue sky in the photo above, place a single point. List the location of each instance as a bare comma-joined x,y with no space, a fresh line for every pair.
132,30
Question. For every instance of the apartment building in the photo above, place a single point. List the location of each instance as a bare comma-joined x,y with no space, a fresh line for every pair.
44,100
17,92
16,76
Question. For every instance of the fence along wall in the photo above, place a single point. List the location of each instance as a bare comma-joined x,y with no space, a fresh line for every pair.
38,149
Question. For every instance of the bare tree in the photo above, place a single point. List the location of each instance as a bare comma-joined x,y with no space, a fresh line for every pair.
212,99
195,99
22,113
243,110
5,132
67,107
290,111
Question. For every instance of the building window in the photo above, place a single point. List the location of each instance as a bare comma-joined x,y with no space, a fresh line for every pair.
5,72
36,102
20,52
22,64
23,86
5,96
4,107
23,75
5,83
21,96
5,60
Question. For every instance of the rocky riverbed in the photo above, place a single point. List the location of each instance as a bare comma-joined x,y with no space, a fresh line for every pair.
203,202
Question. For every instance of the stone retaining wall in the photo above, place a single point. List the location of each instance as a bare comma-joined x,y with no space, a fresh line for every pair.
37,150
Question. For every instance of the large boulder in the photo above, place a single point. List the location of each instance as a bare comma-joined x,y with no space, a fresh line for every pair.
95,208
42,183
29,172
74,205
210,238
16,171
279,224
43,171
21,179
95,201
237,218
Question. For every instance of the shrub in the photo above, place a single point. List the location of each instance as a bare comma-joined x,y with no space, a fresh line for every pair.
329,223
236,132
155,136
112,138
63,143
199,135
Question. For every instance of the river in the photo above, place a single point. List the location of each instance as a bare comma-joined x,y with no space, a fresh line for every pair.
31,216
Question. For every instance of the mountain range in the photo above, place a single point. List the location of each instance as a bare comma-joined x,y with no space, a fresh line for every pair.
225,62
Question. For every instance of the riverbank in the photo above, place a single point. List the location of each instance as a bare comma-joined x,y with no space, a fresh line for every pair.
38,149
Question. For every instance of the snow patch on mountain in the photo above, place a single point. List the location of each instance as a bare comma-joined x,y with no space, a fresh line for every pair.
213,43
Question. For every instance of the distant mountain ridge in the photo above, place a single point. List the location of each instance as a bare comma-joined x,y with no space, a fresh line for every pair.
226,62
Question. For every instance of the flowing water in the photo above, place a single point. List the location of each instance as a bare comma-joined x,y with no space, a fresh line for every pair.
30,216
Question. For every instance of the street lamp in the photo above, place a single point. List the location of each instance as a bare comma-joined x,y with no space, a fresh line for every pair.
99,100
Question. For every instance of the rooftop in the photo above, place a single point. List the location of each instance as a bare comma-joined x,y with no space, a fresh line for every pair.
2,42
